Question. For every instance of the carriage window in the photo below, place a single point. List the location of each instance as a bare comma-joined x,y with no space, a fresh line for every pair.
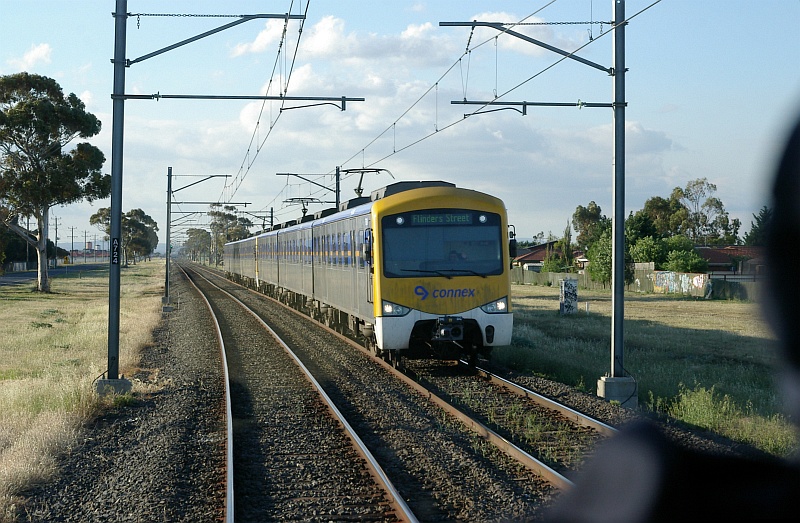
442,242
346,247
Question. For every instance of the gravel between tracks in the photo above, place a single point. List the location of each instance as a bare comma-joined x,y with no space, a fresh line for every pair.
161,458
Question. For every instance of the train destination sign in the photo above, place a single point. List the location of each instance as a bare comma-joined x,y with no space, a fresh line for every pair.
454,218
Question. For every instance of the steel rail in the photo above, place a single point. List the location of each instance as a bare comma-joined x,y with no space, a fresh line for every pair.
571,414
397,502
229,509
530,462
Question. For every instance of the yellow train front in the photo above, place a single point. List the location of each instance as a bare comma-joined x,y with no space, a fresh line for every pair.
440,272
418,269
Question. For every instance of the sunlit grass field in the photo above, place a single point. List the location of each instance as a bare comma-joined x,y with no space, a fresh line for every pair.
52,347
709,363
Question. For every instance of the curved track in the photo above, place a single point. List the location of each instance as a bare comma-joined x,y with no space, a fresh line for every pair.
229,499
445,471
545,436
293,457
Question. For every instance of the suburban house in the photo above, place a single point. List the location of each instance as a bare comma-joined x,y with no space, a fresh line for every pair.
534,258
733,259
722,261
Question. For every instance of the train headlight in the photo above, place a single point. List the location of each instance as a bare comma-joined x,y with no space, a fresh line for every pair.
393,309
496,307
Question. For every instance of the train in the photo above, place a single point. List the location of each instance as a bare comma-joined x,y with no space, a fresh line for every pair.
418,269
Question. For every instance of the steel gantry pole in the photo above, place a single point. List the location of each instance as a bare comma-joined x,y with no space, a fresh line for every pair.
166,300
618,195
617,385
112,382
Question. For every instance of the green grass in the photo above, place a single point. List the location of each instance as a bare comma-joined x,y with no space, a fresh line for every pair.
709,363
52,348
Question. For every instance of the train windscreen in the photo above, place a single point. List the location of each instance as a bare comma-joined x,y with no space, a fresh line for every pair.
442,242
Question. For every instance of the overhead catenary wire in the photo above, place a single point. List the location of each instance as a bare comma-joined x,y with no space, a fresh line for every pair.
438,80
437,129
283,87
396,150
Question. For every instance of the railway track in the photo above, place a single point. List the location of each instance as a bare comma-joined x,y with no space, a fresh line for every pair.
555,439
546,463
293,455
549,438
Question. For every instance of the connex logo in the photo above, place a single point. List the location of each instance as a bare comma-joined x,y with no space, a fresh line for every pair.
423,293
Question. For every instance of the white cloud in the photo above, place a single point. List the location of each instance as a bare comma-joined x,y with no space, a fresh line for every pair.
266,39
35,55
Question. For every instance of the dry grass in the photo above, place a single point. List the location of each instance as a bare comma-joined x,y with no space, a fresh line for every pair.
687,355
52,348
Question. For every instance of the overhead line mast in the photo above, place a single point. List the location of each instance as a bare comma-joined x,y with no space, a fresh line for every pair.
111,381
617,384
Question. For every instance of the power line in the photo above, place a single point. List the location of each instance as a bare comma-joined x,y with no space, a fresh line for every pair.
247,162
452,124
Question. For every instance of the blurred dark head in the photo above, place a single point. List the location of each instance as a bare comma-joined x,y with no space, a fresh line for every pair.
783,251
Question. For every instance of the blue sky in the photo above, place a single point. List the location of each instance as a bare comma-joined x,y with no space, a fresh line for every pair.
712,87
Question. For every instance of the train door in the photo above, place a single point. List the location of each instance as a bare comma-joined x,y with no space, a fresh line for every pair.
367,257
255,259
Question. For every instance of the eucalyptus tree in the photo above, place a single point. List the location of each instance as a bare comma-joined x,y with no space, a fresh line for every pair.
198,243
226,226
139,236
37,171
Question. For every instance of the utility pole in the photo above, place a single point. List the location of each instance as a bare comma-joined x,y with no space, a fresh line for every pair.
85,244
112,382
55,243
72,245
166,300
27,244
617,385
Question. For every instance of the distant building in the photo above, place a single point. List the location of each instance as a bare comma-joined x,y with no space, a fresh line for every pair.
534,258
733,259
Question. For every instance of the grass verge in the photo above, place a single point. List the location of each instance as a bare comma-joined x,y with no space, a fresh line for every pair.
53,346
709,363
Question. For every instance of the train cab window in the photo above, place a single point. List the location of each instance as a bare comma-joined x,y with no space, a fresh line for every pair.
442,242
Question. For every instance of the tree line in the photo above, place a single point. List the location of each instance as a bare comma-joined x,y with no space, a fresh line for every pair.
666,232
225,226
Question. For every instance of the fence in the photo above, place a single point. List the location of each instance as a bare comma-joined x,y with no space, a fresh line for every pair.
649,281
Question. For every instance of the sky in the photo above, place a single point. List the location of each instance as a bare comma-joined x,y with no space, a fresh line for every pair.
711,89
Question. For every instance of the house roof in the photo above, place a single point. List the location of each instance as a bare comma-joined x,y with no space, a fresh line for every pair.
726,255
538,253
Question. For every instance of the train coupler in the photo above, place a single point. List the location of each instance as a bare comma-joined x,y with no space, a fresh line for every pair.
448,328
